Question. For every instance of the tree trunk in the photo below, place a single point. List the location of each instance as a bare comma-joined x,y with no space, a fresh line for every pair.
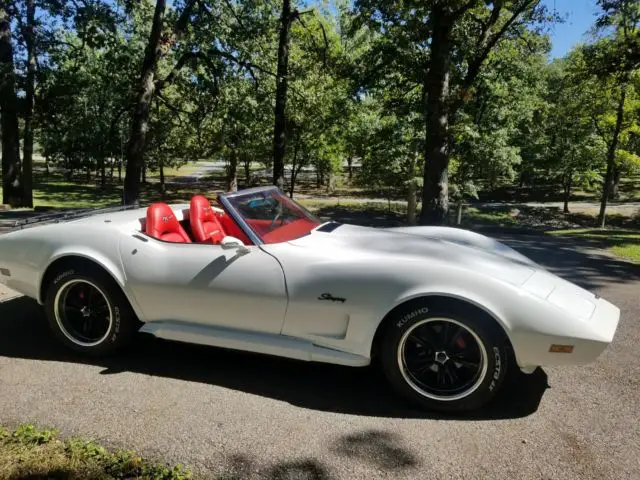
140,118
143,174
247,170
459,214
411,202
27,160
611,157
615,189
567,191
232,173
163,188
112,166
292,181
435,193
294,170
279,131
12,192
103,171
411,194
350,167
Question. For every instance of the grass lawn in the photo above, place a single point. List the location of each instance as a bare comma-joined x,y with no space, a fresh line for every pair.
354,204
397,210
492,217
623,243
186,169
57,193
54,191
30,453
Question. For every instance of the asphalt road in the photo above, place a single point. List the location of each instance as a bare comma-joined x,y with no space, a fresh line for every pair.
227,413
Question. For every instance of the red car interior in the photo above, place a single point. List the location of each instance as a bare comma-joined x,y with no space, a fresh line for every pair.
162,224
289,231
261,227
205,225
232,228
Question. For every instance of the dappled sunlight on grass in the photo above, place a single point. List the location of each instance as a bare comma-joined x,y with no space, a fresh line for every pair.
494,217
57,193
623,243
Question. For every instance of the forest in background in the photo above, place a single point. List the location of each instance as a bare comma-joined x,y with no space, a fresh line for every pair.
433,100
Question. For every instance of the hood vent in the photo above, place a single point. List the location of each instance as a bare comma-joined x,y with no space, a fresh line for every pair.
328,227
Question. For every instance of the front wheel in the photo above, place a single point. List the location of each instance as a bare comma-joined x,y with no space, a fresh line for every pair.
446,359
89,313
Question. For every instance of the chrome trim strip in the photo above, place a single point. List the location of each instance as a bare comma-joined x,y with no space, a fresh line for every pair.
249,191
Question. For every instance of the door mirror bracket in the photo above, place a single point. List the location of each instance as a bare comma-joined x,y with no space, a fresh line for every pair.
230,242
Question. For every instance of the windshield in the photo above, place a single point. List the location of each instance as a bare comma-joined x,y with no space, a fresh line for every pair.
271,215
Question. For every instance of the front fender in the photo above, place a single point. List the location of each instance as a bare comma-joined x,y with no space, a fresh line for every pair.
362,329
486,304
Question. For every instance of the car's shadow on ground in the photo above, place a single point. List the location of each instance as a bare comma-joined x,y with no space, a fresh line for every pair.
24,333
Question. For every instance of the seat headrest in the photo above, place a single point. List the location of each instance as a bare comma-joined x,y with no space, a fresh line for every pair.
163,224
201,208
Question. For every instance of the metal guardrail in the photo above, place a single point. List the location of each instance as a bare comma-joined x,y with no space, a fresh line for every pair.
65,216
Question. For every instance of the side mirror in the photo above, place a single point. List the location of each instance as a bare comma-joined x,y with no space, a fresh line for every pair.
230,242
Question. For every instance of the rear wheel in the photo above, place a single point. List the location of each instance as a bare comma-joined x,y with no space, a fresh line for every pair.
88,312
449,359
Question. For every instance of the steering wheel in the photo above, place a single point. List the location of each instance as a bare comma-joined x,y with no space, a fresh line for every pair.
278,215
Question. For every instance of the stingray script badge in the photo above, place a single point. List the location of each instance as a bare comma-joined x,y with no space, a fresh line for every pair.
328,296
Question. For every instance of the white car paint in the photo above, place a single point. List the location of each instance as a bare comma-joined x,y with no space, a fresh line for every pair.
286,299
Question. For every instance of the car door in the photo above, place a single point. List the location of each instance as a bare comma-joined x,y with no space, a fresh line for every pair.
205,284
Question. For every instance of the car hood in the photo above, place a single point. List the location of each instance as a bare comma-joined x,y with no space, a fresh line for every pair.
458,247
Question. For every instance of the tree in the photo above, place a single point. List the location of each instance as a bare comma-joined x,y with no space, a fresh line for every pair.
492,128
287,16
83,98
615,58
442,46
27,160
320,98
12,188
574,151
158,45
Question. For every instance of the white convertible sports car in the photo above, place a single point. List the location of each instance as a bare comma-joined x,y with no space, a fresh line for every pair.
445,311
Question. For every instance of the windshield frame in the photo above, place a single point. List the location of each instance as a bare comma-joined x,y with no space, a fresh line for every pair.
225,198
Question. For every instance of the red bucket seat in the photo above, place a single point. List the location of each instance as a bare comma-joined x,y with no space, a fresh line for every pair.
163,224
204,223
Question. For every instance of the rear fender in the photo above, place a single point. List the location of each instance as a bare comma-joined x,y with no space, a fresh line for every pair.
111,264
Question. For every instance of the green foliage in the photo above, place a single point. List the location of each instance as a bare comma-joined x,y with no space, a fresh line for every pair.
128,464
31,452
358,73
29,434
494,125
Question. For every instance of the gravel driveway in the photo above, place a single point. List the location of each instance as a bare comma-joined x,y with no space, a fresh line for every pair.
227,413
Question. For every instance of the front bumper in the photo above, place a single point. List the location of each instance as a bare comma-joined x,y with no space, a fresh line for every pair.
588,338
